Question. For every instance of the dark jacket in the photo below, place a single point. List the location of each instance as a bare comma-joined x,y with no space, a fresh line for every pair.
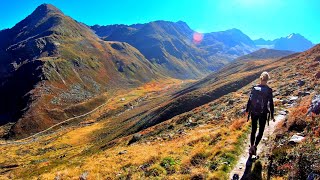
269,99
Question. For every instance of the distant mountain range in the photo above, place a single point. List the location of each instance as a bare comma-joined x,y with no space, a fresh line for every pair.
293,42
170,46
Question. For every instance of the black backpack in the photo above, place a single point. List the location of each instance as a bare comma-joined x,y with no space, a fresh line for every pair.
259,100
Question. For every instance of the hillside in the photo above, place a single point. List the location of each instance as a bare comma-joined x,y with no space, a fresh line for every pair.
54,68
265,54
170,46
203,142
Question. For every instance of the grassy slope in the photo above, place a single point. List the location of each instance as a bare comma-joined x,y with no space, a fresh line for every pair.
201,141
171,46
298,160
72,65
204,141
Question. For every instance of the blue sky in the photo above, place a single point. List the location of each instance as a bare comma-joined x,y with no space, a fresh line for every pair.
269,19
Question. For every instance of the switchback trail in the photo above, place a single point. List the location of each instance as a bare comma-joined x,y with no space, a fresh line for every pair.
33,137
240,167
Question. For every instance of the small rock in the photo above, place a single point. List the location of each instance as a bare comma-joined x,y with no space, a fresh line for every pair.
293,98
300,134
57,177
284,101
282,112
301,82
292,75
296,139
84,176
277,93
136,137
288,92
315,105
123,152
231,101
303,93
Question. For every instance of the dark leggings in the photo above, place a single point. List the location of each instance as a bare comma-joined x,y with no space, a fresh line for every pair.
262,123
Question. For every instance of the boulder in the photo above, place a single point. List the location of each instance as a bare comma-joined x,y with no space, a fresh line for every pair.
317,75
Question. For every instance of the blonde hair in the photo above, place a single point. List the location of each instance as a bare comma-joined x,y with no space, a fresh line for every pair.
265,76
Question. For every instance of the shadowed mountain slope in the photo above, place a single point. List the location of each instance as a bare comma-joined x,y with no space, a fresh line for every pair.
49,63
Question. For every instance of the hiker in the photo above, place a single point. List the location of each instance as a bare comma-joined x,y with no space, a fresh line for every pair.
260,107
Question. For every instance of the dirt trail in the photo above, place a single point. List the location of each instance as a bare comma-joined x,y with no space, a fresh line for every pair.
263,147
33,137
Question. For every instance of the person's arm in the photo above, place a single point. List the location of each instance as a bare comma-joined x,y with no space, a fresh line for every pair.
271,104
249,102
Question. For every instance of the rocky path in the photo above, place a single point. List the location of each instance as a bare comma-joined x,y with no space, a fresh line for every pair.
240,167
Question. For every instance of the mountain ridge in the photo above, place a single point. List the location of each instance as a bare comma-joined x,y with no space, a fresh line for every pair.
293,42
265,53
172,45
65,64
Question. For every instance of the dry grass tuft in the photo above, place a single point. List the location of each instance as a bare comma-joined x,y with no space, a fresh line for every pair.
238,124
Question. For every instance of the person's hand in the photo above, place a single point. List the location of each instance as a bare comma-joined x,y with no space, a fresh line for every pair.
246,115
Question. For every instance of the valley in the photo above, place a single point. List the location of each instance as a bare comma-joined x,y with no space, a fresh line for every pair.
148,101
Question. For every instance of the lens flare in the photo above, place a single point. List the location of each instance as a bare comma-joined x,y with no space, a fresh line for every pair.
197,37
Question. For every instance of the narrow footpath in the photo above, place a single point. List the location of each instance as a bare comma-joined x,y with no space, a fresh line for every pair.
240,167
